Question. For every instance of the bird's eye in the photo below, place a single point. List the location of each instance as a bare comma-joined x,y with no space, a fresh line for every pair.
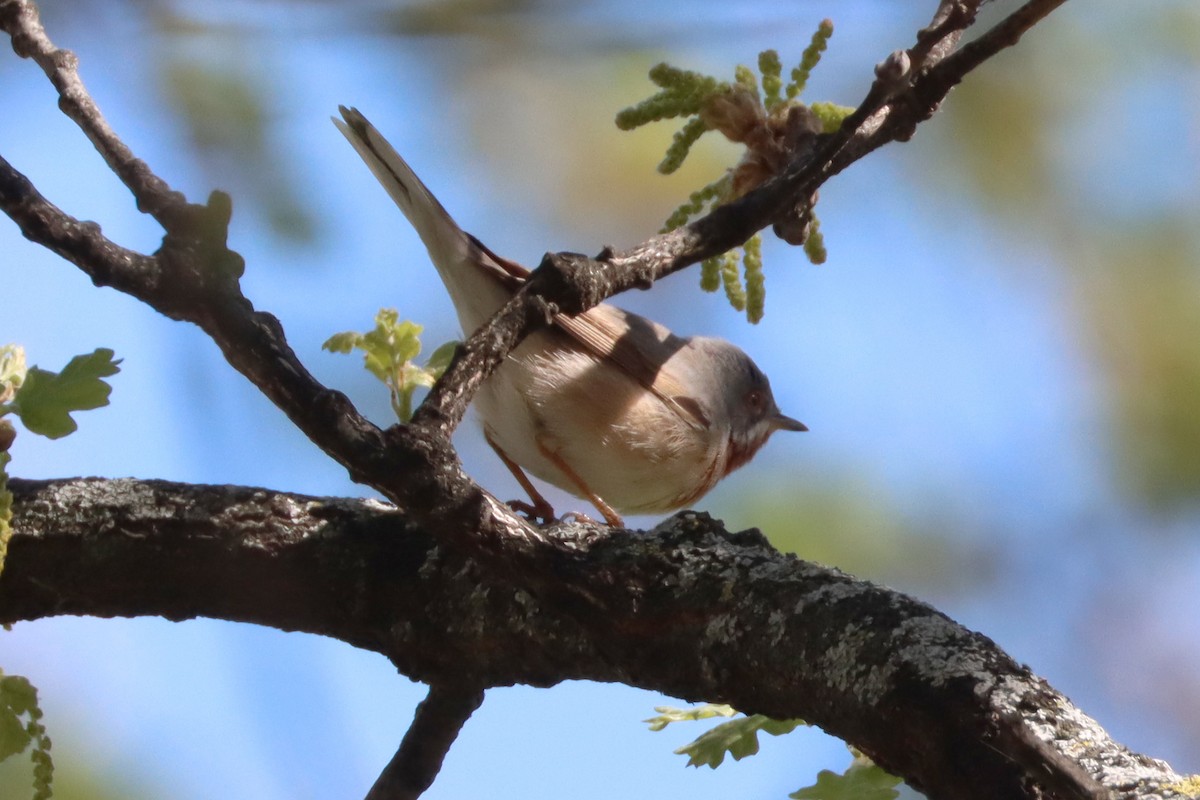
756,401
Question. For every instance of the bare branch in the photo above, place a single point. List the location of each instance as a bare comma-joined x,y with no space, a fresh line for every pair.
439,718
191,279
21,20
80,243
1004,34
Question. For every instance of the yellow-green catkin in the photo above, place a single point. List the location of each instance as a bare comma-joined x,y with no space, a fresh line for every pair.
733,285
744,76
652,109
772,83
710,273
810,57
756,286
814,245
683,93
697,201
830,115
681,145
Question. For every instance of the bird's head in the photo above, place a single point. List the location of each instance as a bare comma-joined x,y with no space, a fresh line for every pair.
738,399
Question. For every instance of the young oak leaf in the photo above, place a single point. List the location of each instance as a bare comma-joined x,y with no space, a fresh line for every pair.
738,738
669,714
17,699
12,371
45,399
864,780
388,352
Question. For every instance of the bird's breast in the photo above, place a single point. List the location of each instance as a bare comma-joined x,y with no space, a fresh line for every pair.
629,446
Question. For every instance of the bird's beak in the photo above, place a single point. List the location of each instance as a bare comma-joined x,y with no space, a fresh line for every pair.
779,422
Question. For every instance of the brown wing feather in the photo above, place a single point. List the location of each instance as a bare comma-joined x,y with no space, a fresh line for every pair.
640,347
609,332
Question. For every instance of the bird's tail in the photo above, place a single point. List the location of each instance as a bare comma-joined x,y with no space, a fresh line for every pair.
446,241
479,281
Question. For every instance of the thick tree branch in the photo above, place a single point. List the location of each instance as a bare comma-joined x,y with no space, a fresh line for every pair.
439,718
688,609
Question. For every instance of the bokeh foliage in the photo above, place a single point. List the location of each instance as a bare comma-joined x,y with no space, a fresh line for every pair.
1016,139
1128,245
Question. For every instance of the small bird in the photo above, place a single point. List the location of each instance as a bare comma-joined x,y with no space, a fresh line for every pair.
608,405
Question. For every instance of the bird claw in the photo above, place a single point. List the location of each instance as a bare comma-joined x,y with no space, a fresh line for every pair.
543,514
539,512
580,517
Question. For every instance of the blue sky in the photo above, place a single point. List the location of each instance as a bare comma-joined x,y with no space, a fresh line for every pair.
937,358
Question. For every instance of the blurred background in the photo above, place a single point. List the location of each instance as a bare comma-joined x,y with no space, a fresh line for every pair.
1000,361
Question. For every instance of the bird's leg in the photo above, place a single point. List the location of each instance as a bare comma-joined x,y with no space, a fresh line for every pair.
540,508
609,514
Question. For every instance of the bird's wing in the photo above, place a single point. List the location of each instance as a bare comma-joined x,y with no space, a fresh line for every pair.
609,332
642,348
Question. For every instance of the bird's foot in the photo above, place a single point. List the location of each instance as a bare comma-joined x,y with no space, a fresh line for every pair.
611,518
538,511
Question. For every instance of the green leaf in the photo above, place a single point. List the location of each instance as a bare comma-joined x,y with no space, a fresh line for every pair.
441,358
46,399
12,371
343,342
668,714
17,698
863,780
13,736
388,353
738,738
407,338
17,694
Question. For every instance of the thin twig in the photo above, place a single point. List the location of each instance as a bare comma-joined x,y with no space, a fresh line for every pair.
80,243
435,726
1003,34
21,20
891,110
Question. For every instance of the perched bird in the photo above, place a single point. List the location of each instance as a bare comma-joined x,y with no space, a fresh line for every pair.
608,405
